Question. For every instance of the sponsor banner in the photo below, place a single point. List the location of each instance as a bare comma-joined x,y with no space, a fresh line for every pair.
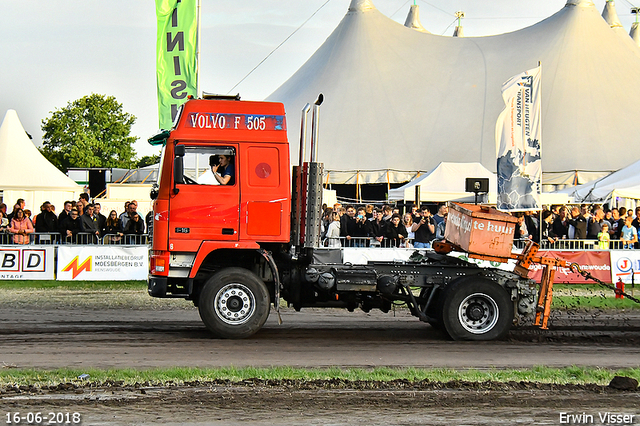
26,263
102,263
625,264
518,133
596,262
176,70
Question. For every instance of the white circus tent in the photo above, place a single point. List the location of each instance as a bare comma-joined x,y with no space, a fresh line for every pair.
622,184
399,101
26,173
446,183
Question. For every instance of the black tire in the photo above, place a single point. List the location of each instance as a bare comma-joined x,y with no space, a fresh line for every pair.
476,309
234,303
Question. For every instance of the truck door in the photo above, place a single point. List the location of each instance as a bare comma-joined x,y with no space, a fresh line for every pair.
203,208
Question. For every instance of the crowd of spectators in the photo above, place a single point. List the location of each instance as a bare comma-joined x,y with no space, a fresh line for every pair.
80,222
384,226
596,223
369,225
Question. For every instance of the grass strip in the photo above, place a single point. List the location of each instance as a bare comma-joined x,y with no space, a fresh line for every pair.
178,376
73,285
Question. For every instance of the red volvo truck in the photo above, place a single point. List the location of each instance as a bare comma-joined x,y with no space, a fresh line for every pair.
235,250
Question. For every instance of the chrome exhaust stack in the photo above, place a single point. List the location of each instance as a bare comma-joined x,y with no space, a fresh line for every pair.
315,130
313,175
298,197
307,186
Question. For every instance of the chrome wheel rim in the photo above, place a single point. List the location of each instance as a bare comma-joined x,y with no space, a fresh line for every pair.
235,304
478,313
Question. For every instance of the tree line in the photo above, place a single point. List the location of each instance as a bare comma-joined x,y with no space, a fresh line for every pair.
93,131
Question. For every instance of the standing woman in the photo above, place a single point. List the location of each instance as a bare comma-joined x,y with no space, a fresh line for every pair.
4,219
407,221
396,232
112,227
333,231
21,227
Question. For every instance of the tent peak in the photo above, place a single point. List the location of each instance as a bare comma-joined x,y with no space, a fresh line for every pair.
361,6
458,32
584,3
634,33
10,112
610,14
413,19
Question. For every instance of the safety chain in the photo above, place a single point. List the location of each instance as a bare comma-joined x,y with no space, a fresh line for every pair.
576,268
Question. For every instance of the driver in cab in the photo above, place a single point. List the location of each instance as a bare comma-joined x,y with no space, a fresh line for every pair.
223,169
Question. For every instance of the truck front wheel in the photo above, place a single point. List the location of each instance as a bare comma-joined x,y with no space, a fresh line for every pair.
477,309
234,303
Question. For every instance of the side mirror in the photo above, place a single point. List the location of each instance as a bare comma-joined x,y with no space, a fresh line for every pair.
178,171
178,167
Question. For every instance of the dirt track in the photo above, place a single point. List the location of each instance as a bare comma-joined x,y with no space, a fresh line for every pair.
50,338
44,336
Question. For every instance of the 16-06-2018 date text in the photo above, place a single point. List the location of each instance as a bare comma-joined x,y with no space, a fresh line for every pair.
43,418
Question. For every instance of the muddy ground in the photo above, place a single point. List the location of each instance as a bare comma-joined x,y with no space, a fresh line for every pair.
79,331
326,403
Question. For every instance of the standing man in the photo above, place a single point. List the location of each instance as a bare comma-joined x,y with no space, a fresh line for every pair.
102,219
560,224
46,221
84,199
132,207
64,214
20,204
425,230
90,224
579,223
442,212
377,228
594,226
347,223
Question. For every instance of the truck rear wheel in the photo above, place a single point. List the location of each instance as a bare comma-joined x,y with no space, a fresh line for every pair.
234,303
476,309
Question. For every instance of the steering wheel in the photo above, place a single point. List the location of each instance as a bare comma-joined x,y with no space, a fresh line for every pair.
190,181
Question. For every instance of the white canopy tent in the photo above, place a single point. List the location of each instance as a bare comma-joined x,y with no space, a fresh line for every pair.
446,183
26,173
624,183
399,100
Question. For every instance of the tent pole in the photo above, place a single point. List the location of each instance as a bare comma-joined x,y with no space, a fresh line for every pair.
198,39
388,184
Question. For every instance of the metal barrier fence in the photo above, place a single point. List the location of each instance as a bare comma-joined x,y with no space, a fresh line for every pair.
368,242
574,245
569,245
55,238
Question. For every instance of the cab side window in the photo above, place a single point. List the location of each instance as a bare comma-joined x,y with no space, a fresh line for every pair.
210,165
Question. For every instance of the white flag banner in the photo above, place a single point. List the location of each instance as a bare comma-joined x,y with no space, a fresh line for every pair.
518,134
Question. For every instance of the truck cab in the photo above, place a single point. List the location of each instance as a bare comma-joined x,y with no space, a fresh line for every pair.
199,223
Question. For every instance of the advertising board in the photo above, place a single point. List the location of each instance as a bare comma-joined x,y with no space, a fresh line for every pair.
625,265
26,263
102,263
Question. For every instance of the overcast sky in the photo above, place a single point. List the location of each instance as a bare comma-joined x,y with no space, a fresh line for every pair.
57,51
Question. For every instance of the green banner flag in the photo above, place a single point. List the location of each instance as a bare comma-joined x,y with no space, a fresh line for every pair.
176,56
